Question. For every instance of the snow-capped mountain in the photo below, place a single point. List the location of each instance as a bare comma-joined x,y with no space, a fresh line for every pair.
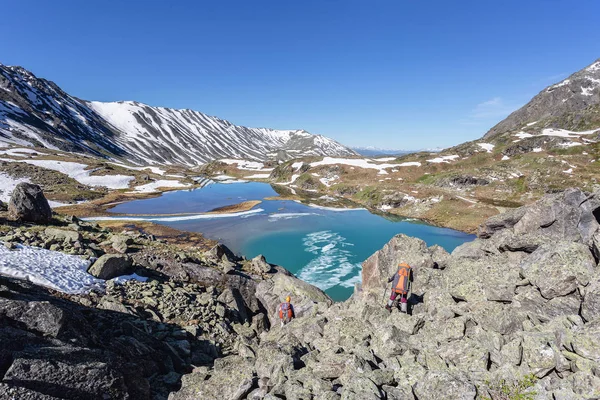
573,104
34,111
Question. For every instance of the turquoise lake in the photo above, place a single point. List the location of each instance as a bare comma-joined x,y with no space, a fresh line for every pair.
322,246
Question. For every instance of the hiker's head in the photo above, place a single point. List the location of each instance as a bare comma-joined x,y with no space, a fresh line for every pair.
288,299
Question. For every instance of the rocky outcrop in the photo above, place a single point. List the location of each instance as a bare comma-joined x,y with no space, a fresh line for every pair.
27,203
515,311
570,104
110,266
56,348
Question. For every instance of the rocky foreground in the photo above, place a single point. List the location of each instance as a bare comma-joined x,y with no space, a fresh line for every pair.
513,314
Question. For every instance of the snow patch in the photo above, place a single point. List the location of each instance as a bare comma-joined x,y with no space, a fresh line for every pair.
486,146
410,164
20,152
78,172
443,159
155,170
244,164
258,176
52,269
356,162
566,133
178,218
162,183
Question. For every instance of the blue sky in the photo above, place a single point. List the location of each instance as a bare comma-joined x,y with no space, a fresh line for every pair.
399,74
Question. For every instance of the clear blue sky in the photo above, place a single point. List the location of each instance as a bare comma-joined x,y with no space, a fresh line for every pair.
395,74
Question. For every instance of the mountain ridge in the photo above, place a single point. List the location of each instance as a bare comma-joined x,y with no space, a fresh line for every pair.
36,111
572,104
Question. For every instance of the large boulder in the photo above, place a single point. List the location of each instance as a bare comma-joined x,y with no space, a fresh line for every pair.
441,385
62,234
383,264
571,215
306,298
232,378
110,266
259,265
558,269
590,309
29,204
500,222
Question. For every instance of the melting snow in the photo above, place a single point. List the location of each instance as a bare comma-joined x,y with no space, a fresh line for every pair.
443,159
153,186
410,164
486,146
247,165
523,135
78,172
569,144
504,158
565,133
357,162
385,159
563,83
155,170
7,185
537,149
594,67
532,123
20,152
258,176
587,91
59,271
328,181
176,218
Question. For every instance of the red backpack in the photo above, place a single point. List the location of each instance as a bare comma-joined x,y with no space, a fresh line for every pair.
285,309
403,278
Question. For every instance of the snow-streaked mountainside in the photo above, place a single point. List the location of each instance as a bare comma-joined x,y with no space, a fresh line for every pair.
34,111
573,104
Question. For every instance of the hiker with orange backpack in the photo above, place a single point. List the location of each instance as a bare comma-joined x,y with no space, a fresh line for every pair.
286,311
400,286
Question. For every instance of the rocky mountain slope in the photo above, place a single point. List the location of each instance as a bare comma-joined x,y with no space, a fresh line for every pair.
572,104
513,314
35,111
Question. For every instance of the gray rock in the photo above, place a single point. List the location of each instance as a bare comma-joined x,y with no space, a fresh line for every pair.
28,203
499,222
110,266
306,298
558,269
62,234
260,265
121,243
232,378
441,385
590,309
384,263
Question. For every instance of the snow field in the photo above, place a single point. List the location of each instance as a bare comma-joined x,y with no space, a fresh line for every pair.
165,183
78,172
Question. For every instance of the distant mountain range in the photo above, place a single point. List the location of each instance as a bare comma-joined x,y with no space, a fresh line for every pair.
35,111
378,152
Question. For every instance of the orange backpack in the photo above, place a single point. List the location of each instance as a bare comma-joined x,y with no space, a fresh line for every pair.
403,278
285,309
